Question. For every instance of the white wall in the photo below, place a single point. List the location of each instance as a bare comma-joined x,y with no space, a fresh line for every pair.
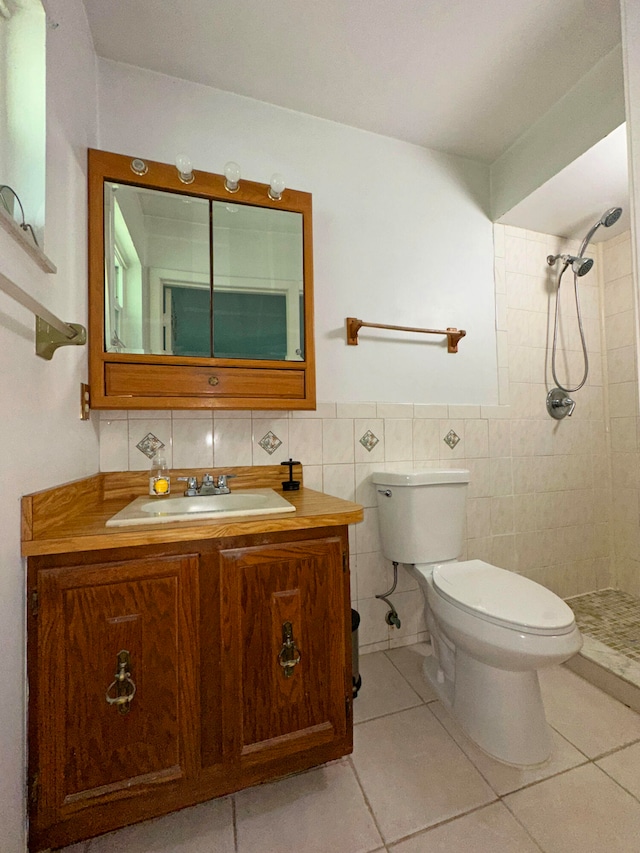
401,234
43,441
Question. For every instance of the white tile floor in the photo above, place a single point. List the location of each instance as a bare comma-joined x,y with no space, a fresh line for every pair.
415,784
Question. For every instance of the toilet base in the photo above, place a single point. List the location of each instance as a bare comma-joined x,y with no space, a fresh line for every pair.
501,711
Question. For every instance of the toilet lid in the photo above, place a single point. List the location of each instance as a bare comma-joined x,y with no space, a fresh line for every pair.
502,596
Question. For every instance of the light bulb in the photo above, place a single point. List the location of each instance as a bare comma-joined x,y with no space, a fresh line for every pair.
185,169
231,177
276,187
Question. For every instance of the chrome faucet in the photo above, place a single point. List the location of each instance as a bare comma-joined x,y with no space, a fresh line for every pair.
209,486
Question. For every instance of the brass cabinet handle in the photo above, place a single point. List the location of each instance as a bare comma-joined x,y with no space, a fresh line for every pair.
213,380
289,655
123,687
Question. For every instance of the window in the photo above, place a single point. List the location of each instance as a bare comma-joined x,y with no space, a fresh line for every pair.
23,107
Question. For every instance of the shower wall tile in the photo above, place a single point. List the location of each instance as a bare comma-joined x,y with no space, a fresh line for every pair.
502,516
313,478
191,414
623,399
433,412
365,489
322,410
338,480
495,412
620,329
464,412
305,441
476,438
426,439
617,260
394,410
355,410
398,439
367,537
619,296
147,414
502,351
192,442
114,445
337,440
621,364
503,385
232,442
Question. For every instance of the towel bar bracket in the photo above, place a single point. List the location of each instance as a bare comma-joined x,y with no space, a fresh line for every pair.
49,339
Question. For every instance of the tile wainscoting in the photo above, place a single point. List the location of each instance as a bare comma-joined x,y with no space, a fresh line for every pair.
520,515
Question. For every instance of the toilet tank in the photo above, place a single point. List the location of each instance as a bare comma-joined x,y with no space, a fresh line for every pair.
421,514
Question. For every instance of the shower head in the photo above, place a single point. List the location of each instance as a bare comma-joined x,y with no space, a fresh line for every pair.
608,218
580,266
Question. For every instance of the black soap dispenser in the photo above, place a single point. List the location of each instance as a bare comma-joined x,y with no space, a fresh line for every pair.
290,485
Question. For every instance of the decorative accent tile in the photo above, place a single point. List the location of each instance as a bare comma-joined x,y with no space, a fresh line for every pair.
451,438
369,440
270,442
150,445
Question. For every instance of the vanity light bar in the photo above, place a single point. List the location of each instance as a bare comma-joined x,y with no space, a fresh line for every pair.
231,175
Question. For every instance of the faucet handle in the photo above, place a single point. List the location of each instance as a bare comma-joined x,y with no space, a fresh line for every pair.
222,480
192,485
207,480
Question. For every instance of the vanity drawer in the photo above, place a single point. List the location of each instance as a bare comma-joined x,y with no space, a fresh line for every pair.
140,380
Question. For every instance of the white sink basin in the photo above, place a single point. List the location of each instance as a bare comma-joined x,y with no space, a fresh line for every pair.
148,510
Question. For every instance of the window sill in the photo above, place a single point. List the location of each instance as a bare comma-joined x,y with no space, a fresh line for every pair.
35,253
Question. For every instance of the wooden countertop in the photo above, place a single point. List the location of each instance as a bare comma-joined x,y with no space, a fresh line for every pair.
72,517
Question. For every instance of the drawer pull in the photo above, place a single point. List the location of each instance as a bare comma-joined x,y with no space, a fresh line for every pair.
213,380
123,687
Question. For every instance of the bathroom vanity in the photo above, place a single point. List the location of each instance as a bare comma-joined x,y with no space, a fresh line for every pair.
169,664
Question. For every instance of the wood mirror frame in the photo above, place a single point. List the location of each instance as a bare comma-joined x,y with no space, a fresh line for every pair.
144,381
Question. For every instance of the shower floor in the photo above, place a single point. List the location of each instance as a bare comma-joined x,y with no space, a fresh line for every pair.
609,621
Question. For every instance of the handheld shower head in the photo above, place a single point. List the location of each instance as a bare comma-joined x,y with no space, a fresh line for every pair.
608,218
579,265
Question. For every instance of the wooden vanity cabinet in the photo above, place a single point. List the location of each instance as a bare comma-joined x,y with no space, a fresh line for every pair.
240,653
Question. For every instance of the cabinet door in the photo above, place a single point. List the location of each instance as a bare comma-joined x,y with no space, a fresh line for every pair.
284,631
93,750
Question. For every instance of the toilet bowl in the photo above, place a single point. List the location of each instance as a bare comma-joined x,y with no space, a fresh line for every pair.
492,688
491,629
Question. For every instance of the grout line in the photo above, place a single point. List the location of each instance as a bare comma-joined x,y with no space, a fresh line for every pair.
619,784
234,821
366,800
519,822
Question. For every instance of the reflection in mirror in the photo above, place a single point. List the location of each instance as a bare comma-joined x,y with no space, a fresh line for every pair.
163,298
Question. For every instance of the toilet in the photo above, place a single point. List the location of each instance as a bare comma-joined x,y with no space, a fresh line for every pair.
491,629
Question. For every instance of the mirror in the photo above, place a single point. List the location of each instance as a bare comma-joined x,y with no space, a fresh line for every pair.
197,277
194,276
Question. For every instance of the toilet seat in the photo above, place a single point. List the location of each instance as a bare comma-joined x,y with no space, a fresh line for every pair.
502,597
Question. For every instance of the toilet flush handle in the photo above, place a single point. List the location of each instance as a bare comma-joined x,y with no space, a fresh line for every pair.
385,492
